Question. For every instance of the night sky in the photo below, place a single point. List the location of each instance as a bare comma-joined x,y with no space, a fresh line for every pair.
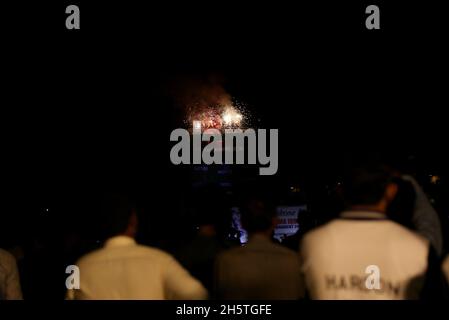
92,111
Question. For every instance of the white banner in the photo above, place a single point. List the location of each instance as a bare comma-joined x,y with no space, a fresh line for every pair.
287,221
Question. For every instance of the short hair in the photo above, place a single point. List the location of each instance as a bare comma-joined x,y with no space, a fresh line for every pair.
365,184
116,210
402,207
257,214
210,205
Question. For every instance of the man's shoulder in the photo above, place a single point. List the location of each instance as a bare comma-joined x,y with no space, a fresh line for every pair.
6,258
393,230
90,257
135,251
153,252
321,233
267,248
406,236
231,252
280,249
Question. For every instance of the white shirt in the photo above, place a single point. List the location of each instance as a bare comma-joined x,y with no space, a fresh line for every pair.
9,277
125,270
335,258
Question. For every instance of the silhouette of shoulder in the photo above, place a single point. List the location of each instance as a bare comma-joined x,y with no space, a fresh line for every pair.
265,247
124,253
385,231
6,259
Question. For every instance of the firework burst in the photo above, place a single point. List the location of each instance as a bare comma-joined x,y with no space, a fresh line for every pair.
229,116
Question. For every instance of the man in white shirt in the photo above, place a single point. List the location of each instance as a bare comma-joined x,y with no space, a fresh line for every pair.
9,277
122,269
363,254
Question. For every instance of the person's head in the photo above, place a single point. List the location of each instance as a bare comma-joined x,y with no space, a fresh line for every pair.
210,210
369,186
258,215
402,208
119,214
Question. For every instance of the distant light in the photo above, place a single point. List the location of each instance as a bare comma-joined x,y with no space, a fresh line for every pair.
227,118
231,117
197,125
434,179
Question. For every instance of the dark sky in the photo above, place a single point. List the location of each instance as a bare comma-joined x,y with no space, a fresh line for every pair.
89,110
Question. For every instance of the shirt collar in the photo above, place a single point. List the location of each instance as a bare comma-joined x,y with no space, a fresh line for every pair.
119,241
363,215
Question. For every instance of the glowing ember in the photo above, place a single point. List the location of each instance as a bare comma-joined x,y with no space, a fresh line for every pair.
227,118
218,117
197,124
231,117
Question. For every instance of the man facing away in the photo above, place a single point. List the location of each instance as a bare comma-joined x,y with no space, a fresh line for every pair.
261,269
198,256
9,277
363,254
122,269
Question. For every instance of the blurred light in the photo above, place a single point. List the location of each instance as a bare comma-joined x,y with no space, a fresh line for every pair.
434,179
197,124
227,118
231,117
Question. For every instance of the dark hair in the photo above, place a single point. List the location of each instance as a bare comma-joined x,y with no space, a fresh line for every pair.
365,184
210,205
257,214
116,210
402,208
